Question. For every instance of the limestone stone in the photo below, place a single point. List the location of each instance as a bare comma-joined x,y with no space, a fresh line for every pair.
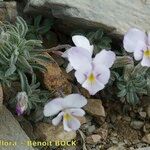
52,133
10,131
115,15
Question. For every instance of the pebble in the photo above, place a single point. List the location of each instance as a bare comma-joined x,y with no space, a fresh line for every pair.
142,114
92,139
136,124
127,118
91,128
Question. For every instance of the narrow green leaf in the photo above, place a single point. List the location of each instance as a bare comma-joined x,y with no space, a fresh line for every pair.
38,67
37,43
37,21
25,64
24,82
122,93
10,71
43,57
139,70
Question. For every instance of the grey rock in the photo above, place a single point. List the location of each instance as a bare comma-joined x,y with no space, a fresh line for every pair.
10,130
115,15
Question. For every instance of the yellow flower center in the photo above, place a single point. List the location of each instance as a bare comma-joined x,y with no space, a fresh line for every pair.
147,53
67,117
91,77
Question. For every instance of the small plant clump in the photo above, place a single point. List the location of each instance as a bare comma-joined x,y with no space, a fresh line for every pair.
19,60
41,28
19,57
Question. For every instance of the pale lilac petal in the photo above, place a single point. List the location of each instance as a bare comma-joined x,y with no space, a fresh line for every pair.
57,119
65,124
134,39
80,59
74,101
102,74
104,57
93,87
20,110
71,124
53,107
138,54
80,77
83,42
145,61
77,112
69,68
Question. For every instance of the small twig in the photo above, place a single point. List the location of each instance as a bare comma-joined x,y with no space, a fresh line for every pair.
65,46
83,138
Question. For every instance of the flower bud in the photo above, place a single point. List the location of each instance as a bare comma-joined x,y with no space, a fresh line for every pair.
22,103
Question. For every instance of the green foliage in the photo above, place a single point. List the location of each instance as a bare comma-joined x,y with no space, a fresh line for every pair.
18,56
6,80
40,27
132,83
36,96
99,40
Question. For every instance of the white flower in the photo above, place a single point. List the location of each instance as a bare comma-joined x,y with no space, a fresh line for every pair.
66,108
92,73
22,102
81,42
138,42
